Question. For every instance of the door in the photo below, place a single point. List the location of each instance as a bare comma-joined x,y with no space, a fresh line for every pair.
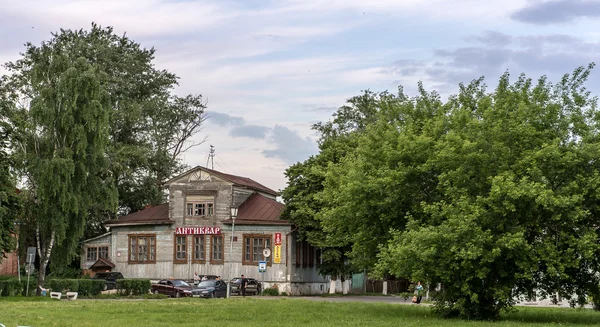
220,289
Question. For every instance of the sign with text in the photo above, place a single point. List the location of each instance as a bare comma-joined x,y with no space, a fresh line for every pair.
277,254
262,266
277,238
197,230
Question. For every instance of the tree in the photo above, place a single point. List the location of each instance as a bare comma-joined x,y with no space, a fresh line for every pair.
516,173
61,147
10,207
302,195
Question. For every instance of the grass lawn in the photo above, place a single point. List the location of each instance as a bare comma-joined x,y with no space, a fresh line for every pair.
39,312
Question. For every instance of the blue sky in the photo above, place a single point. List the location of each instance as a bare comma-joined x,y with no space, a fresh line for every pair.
270,69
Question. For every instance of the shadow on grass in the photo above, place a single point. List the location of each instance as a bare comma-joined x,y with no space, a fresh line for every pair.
554,315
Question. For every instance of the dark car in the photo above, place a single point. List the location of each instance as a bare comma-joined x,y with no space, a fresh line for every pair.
210,288
201,277
252,286
110,278
172,287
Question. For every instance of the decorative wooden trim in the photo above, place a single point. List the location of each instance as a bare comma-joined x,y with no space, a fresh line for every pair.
253,236
194,260
137,236
175,260
212,260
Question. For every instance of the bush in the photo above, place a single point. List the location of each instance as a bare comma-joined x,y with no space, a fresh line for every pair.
133,286
271,292
11,287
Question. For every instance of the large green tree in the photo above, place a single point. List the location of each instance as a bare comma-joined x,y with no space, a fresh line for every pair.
9,201
514,178
147,126
63,137
302,196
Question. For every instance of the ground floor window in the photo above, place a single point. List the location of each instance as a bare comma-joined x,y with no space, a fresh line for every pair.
142,248
180,249
253,249
199,249
216,245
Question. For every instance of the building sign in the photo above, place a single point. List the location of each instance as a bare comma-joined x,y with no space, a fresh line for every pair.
262,266
197,230
277,238
277,254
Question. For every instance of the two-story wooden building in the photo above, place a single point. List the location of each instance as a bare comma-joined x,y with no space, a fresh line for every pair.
193,233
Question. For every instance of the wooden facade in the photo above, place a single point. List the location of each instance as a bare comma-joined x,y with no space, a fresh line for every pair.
193,234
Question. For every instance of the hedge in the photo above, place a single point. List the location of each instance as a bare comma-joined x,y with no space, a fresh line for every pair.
133,286
14,287
85,287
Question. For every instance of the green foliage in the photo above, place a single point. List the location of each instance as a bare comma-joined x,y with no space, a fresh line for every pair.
133,286
490,194
84,287
270,292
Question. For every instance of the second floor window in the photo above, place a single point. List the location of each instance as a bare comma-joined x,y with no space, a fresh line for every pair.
200,209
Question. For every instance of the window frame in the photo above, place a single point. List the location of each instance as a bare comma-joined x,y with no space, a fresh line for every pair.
194,260
212,259
88,252
148,252
209,209
185,249
264,237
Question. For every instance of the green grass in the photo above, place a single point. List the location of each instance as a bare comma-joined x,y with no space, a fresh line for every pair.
249,312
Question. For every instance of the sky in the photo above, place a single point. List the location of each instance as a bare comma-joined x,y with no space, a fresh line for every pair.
271,69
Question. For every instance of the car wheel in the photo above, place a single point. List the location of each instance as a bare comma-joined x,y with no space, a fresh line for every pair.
177,295
105,287
156,292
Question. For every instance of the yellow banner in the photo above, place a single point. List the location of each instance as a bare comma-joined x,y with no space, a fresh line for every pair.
277,254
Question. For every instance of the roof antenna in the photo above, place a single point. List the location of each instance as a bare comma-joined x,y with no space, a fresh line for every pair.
211,157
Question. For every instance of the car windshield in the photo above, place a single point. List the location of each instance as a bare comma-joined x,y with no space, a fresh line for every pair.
207,283
180,283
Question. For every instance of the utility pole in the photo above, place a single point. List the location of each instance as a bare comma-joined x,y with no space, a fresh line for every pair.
211,157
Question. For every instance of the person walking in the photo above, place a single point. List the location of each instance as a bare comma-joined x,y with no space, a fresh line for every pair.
243,283
419,292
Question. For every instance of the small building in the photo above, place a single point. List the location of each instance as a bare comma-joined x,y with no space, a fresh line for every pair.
195,232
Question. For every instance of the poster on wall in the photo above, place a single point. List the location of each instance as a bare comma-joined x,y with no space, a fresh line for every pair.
277,254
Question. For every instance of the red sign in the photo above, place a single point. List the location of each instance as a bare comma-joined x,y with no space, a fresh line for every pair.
197,230
277,238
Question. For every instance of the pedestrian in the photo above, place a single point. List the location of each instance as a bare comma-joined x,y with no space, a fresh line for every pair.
243,283
196,278
204,278
419,292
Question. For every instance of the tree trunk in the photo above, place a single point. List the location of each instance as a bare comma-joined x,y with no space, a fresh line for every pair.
44,252
332,285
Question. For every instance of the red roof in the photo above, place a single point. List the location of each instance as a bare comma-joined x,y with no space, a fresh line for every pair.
102,263
259,210
152,215
237,180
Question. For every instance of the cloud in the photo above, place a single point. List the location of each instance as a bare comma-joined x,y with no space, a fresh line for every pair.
290,146
251,131
222,119
561,11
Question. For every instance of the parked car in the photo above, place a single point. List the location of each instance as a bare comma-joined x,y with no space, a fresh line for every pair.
252,286
172,287
210,288
208,277
110,278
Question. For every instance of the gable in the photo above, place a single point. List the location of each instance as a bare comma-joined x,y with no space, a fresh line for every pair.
194,176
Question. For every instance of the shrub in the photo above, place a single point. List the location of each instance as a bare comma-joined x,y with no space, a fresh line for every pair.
271,292
284,293
133,286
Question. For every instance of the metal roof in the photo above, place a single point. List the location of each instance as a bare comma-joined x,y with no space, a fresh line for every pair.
151,215
259,210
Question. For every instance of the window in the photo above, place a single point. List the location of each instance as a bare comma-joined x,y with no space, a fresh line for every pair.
305,254
103,252
95,253
216,246
142,248
180,249
200,206
198,249
92,254
253,248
